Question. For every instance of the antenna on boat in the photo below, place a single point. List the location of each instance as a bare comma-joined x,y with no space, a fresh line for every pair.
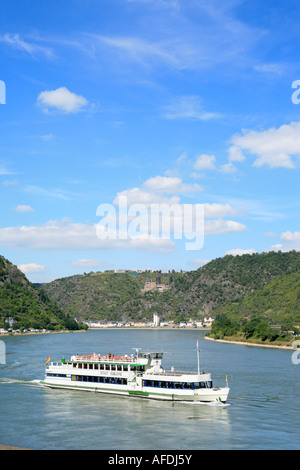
198,356
137,350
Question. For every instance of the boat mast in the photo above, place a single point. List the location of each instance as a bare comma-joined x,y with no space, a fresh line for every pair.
198,357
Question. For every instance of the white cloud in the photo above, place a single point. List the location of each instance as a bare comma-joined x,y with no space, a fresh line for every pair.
290,241
205,162
47,137
24,208
152,191
240,252
198,262
33,49
62,100
290,236
273,68
139,50
215,210
5,171
90,263
228,168
218,226
140,196
272,147
170,185
31,268
188,107
67,235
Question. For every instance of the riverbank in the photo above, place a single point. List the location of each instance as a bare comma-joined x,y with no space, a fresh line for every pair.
28,333
2,447
245,343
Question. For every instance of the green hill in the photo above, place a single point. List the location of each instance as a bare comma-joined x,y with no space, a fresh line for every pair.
278,302
260,285
194,294
25,305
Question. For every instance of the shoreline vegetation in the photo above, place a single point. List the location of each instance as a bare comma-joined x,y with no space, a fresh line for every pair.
251,343
249,299
287,346
15,333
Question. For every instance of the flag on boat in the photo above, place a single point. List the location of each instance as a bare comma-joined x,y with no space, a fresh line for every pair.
48,359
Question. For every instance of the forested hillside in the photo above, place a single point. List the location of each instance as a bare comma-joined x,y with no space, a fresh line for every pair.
24,306
263,285
206,291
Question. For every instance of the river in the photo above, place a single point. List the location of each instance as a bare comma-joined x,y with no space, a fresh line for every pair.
262,410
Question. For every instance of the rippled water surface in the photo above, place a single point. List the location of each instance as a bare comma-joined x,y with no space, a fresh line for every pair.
262,410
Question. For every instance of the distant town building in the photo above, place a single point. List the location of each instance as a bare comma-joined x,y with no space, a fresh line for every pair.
156,319
154,285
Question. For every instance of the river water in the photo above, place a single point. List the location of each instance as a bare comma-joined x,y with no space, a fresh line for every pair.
262,411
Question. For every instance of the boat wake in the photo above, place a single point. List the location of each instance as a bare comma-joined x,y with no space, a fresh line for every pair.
214,404
9,380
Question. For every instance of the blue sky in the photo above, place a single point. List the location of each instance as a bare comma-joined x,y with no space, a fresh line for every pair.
159,101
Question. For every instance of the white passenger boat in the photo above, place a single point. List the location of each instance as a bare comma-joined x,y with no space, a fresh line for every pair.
139,375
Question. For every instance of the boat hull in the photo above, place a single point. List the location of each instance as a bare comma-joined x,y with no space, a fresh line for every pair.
201,396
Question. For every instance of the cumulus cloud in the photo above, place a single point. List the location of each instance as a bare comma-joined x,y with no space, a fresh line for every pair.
155,189
31,268
215,210
276,148
218,226
205,162
170,185
61,100
67,235
291,241
240,252
24,208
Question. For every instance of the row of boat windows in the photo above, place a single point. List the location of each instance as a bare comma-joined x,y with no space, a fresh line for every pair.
91,378
177,385
146,383
117,367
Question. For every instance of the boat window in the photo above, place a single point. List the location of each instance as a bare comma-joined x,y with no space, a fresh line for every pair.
107,367
79,366
101,366
209,384
187,385
113,367
90,366
96,366
119,367
85,366
125,367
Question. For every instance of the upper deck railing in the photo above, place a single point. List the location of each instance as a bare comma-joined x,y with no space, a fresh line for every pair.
108,358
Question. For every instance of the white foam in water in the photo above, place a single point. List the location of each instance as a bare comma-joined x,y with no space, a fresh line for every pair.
9,380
